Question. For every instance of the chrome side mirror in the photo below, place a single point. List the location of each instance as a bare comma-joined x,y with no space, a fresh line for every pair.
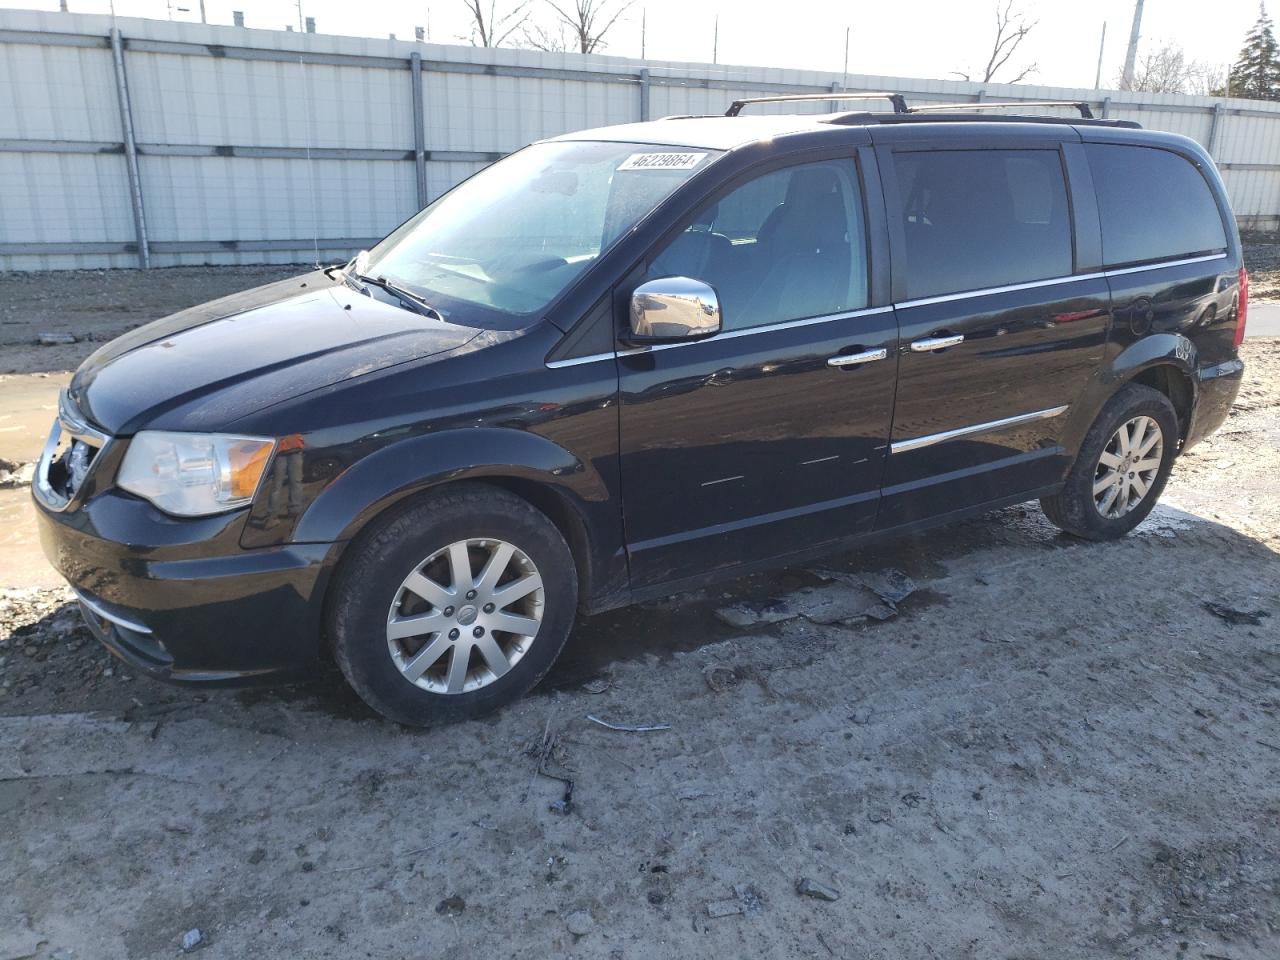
674,308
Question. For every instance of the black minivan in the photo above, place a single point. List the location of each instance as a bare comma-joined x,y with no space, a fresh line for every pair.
624,362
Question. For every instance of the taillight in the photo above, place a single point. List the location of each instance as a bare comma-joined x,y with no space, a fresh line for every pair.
1242,310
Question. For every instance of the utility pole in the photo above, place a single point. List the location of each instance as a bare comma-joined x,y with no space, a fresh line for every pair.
715,42
1131,55
300,25
844,81
1102,45
644,15
203,18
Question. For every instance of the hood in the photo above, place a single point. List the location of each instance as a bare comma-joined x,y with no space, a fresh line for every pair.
208,366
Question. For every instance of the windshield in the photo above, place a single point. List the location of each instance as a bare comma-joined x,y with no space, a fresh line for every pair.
516,234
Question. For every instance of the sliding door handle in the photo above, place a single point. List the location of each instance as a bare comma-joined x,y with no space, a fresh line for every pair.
929,344
853,359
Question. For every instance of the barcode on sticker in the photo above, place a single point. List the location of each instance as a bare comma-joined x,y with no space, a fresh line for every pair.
662,161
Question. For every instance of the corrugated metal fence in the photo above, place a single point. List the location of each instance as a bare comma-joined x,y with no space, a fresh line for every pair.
143,142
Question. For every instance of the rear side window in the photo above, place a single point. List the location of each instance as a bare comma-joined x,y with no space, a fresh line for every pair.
982,218
1154,205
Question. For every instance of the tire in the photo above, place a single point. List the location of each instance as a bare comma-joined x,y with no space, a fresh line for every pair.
1075,510
400,649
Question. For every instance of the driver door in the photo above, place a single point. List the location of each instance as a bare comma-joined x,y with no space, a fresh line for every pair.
769,437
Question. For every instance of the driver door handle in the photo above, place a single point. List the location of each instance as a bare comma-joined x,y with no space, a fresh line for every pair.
929,344
849,360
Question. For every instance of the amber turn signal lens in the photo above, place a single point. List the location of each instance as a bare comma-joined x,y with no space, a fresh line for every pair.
248,459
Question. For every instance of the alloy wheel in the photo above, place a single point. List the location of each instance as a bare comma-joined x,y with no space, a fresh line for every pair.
465,616
1128,466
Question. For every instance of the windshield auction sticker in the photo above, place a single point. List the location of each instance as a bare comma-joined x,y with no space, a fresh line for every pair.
662,161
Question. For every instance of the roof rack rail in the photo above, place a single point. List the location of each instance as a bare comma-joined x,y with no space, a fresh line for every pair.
898,100
1085,112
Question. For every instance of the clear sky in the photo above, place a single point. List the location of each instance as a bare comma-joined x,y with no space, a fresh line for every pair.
910,38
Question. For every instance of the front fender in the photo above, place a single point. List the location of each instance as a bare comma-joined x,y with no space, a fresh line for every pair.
400,470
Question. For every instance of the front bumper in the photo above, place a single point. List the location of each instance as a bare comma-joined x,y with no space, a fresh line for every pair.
180,599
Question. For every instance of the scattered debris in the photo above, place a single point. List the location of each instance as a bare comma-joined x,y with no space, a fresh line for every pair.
193,939
752,900
1233,617
839,603
259,854
563,806
718,909
550,749
818,891
892,586
912,799
579,923
746,901
845,598
750,614
56,340
451,906
629,728
719,679
598,684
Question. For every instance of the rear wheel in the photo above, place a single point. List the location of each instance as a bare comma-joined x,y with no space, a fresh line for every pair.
453,606
1121,469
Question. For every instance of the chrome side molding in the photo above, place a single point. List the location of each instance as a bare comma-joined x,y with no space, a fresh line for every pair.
917,443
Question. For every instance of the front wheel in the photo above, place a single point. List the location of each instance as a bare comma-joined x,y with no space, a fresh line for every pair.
1121,468
453,606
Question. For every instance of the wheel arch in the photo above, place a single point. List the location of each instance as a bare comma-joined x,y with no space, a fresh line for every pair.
571,493
1164,362
1174,383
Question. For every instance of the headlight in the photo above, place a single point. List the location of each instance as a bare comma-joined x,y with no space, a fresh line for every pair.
194,474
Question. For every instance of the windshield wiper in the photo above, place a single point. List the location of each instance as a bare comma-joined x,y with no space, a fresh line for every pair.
411,300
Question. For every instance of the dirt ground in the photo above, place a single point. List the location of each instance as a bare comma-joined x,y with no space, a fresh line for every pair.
1053,750
1262,258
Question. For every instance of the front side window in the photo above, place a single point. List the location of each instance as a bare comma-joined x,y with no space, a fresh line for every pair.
982,218
1153,204
511,238
784,246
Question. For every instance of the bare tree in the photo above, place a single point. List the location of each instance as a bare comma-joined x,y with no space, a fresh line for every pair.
1011,29
491,27
587,22
1167,70
539,36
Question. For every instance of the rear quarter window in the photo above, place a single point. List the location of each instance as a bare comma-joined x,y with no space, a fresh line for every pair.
1153,204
